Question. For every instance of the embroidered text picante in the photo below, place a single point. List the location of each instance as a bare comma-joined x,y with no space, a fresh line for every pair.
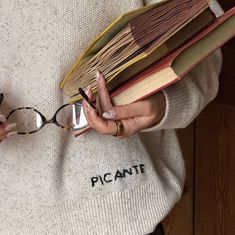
116,175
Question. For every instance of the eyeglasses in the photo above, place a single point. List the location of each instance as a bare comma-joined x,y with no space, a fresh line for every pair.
29,120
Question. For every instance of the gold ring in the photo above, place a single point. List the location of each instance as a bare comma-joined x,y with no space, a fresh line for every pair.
120,128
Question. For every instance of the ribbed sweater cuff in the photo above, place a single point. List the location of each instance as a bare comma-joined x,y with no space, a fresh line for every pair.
175,99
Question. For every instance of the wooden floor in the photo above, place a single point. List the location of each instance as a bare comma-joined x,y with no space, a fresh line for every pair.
208,203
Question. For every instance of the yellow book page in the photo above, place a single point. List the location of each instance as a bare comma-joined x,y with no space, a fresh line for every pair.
109,33
153,49
144,59
145,86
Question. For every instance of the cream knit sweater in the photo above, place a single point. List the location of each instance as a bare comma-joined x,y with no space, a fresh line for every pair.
53,183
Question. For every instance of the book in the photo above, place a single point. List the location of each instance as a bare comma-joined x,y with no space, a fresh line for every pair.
177,64
135,41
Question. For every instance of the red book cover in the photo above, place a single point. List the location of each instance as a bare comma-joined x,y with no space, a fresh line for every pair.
169,60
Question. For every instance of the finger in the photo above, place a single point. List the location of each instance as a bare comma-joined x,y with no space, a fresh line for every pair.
2,118
85,104
103,94
125,111
134,125
90,96
10,127
152,106
81,132
95,121
2,131
7,130
2,127
106,127
97,103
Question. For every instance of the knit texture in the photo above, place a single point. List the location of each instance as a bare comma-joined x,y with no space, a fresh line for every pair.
53,183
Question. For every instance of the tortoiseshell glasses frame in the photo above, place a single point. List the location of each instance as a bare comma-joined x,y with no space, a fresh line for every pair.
75,119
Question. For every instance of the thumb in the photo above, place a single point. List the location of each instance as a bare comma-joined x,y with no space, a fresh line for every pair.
125,111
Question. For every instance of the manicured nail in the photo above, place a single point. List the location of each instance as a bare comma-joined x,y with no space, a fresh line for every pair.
10,127
97,76
87,90
110,114
2,118
12,133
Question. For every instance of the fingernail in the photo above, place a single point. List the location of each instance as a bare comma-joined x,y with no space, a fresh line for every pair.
110,114
2,118
12,133
10,127
97,76
87,90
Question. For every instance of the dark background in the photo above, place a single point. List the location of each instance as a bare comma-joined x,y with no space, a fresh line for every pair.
208,203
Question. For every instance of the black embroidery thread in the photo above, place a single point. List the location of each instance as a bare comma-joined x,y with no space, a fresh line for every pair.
117,175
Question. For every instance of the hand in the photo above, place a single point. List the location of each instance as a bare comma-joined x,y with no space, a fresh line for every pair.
134,117
6,128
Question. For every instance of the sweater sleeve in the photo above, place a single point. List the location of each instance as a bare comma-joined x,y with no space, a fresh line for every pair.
186,98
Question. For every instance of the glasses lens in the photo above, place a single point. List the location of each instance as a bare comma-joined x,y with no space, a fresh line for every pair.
27,120
72,117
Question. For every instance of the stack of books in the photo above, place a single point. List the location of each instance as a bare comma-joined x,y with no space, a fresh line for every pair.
148,49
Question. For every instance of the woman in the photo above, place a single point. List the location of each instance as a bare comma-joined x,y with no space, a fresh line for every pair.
51,182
